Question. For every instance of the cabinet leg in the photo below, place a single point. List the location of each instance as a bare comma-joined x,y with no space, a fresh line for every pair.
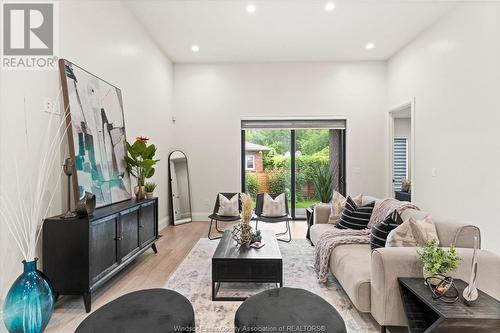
383,329
87,300
154,248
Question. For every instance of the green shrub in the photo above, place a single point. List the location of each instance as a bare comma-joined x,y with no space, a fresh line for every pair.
305,167
251,184
323,181
278,181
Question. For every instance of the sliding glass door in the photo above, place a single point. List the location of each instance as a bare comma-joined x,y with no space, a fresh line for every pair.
267,162
305,163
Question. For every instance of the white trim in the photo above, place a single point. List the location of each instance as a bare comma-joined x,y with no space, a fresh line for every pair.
163,223
326,117
390,140
201,216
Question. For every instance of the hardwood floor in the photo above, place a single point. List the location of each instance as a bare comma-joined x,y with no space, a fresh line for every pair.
148,271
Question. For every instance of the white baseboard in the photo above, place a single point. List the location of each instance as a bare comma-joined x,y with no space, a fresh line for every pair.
163,222
201,216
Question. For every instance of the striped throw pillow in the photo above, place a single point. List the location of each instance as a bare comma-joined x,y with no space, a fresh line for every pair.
380,231
354,217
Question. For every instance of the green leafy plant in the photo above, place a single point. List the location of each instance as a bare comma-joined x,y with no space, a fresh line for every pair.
149,187
140,159
323,182
438,261
251,184
278,181
256,236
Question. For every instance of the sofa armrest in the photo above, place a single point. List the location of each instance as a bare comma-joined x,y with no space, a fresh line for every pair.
388,264
458,234
321,213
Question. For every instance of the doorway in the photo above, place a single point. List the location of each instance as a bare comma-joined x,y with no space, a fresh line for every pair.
287,157
401,152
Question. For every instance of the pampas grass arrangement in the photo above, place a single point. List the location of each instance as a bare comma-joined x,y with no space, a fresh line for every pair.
246,208
242,232
24,208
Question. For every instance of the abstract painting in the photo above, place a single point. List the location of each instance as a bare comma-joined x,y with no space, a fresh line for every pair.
96,135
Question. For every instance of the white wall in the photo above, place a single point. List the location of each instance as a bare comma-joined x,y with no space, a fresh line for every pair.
104,38
453,70
211,99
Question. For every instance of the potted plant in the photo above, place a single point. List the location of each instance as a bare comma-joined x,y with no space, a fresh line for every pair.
323,182
149,187
438,261
257,236
140,162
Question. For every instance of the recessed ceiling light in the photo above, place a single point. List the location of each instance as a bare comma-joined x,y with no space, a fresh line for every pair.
195,48
329,6
369,46
251,8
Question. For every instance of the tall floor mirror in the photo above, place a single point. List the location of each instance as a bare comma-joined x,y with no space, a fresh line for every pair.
180,196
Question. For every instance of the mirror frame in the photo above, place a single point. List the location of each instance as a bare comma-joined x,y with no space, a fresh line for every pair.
172,215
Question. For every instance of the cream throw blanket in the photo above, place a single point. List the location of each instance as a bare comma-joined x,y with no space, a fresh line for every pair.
335,237
385,207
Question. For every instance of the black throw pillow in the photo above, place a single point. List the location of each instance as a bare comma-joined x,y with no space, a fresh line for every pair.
381,230
354,217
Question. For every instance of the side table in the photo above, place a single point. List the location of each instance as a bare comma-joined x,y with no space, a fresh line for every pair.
426,314
310,221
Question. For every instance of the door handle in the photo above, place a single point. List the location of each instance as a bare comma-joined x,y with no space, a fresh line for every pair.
119,238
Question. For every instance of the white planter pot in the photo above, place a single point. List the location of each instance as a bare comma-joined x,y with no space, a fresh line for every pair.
432,281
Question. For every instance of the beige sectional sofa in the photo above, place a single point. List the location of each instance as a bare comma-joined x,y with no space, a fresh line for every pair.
370,278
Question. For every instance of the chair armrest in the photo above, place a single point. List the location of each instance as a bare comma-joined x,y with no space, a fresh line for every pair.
321,213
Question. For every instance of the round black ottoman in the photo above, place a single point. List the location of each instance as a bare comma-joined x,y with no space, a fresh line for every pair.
287,310
149,310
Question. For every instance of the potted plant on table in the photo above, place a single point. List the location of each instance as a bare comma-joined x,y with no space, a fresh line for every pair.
437,261
149,187
140,163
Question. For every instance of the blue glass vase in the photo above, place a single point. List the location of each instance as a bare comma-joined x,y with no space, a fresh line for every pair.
30,301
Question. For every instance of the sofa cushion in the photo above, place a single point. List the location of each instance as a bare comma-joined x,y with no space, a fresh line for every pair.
319,229
350,264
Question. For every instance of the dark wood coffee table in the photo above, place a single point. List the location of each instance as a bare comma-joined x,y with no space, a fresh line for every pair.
234,263
426,314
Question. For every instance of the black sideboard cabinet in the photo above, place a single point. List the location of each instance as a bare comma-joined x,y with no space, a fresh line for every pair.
81,254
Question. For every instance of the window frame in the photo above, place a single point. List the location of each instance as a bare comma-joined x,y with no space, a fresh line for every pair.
253,162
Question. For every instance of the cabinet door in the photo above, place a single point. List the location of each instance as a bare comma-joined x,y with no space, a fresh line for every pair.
129,232
148,223
103,249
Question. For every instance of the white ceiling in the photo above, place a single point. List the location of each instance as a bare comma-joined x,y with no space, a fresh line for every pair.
281,31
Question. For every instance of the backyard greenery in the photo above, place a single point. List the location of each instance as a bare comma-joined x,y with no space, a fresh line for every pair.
312,152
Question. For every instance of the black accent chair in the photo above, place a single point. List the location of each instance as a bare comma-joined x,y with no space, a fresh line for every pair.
216,217
259,205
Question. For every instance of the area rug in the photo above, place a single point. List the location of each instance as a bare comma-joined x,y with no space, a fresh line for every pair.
193,280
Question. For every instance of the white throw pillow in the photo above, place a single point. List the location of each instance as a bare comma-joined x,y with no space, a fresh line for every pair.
413,233
274,207
228,207
338,205
424,230
401,236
